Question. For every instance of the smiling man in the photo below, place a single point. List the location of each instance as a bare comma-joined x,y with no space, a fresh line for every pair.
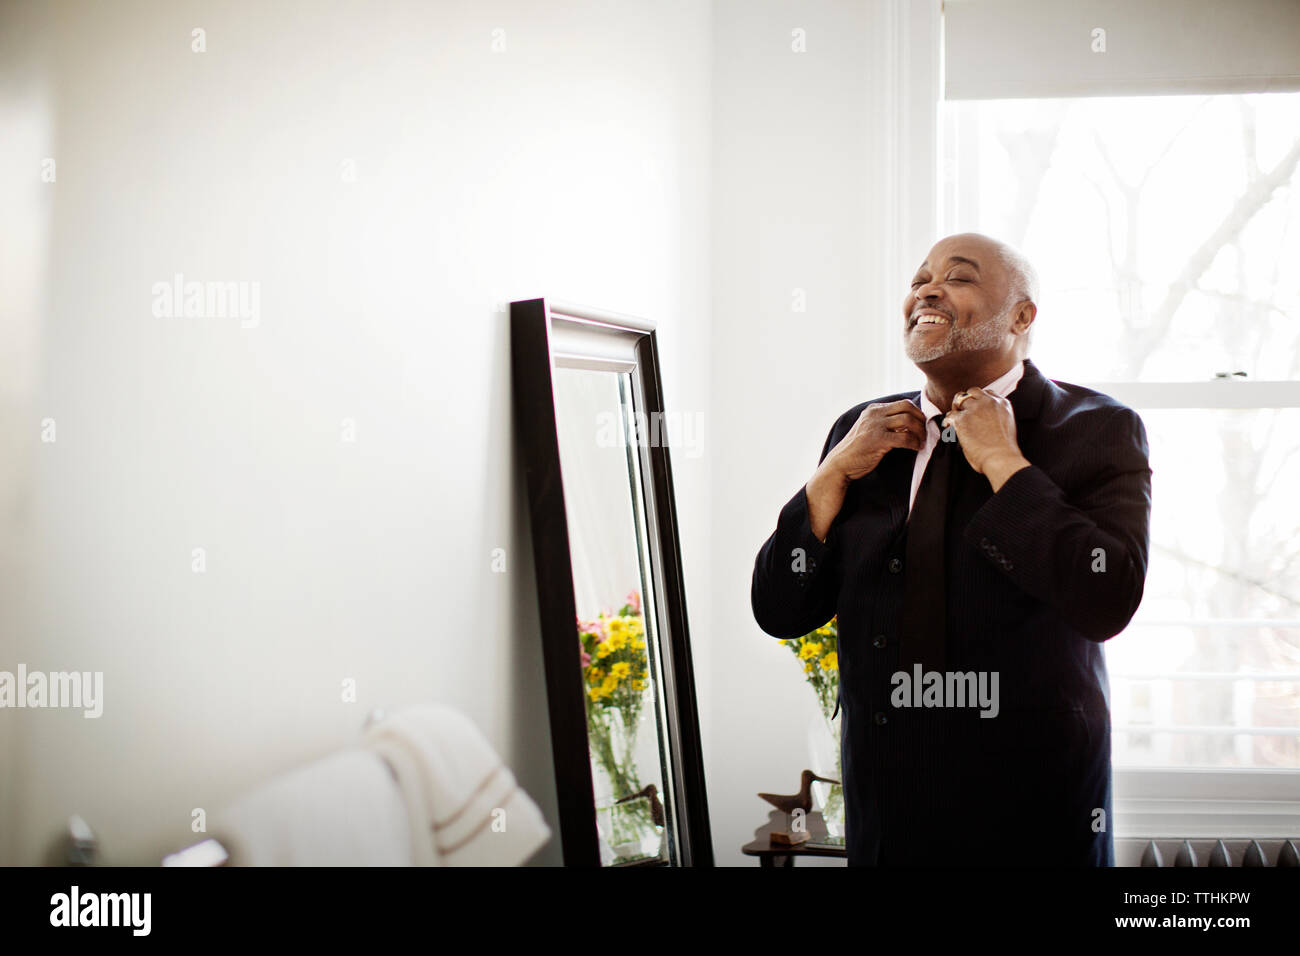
989,530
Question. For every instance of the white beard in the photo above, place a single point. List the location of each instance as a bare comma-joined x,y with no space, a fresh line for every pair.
986,335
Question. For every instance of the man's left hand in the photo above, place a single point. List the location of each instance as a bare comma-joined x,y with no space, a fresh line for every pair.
986,429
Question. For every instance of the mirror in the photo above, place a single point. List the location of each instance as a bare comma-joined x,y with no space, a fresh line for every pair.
620,685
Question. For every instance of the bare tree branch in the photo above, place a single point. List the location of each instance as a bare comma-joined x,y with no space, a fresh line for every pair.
1228,573
1255,197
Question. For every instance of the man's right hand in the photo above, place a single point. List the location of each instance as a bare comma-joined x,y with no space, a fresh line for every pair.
879,429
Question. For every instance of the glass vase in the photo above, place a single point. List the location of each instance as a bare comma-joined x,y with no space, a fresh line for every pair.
825,761
629,832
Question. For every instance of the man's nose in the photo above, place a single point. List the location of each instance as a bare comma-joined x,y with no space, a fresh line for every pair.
928,292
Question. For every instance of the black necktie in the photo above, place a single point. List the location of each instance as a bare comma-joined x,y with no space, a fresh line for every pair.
925,630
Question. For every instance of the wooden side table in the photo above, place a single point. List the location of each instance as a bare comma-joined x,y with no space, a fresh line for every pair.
769,855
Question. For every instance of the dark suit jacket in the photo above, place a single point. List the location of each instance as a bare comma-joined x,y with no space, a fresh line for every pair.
1039,575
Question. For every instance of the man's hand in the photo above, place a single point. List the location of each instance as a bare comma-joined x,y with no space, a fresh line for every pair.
986,428
880,428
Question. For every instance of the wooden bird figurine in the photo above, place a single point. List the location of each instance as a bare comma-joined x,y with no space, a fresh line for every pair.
656,808
797,801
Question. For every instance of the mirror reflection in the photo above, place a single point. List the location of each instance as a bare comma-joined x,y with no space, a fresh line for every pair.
622,678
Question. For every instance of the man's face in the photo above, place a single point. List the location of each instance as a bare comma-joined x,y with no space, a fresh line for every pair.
957,302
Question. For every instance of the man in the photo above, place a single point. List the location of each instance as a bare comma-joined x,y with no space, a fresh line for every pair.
979,540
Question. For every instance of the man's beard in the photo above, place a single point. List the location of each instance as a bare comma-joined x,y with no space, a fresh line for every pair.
986,335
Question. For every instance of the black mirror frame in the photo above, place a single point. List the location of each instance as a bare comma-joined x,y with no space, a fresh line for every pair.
532,362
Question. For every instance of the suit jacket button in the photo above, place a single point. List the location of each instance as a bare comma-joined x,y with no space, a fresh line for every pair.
879,641
895,565
880,718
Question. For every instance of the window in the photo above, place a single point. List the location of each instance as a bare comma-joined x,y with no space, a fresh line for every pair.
1166,230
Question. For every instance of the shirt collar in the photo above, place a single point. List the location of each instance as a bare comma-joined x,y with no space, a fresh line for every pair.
1002,386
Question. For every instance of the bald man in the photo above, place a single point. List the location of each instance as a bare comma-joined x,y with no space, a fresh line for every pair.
979,539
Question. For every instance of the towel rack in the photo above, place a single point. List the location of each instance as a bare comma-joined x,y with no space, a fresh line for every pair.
81,846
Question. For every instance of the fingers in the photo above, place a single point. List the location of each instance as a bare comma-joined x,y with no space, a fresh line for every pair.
975,394
909,428
953,419
904,438
901,407
905,407
963,400
955,414
892,417
965,404
966,395
901,420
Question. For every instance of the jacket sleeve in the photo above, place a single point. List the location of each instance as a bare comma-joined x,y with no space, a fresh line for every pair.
1085,556
796,576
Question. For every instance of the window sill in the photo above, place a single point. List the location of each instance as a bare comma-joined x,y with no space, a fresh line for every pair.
1207,804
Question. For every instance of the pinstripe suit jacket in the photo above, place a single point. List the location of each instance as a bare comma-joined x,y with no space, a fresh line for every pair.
1038,576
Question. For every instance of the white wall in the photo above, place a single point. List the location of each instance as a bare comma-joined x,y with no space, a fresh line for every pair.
823,175
574,164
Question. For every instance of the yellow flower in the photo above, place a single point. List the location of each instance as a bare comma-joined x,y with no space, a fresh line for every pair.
808,667
810,649
619,670
831,662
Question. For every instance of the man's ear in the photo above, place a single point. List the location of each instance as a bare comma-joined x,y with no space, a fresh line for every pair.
1025,316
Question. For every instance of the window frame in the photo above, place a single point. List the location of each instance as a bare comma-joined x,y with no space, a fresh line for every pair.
1175,802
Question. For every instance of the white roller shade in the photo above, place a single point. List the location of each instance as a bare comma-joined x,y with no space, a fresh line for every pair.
995,49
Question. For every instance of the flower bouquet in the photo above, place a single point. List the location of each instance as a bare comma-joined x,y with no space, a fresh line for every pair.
615,669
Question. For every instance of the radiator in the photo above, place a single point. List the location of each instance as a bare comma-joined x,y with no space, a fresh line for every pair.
1207,852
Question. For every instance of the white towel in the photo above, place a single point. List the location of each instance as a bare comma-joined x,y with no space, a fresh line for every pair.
472,809
343,810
